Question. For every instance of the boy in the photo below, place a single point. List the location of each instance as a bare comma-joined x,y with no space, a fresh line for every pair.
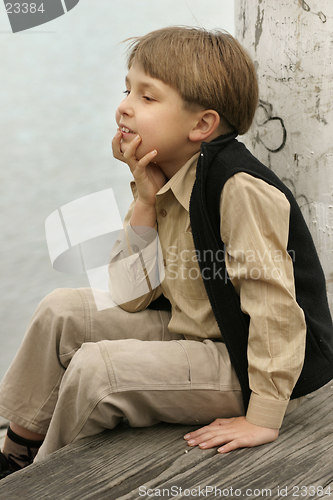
249,326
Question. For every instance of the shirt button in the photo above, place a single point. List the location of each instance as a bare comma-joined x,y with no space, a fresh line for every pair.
178,309
164,262
163,212
135,248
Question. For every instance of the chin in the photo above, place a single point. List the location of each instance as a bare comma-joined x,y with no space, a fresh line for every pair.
141,152
123,147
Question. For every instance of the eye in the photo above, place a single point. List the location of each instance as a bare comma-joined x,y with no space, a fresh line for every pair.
148,99
127,92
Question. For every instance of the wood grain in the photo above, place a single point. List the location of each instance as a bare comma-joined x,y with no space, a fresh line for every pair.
114,465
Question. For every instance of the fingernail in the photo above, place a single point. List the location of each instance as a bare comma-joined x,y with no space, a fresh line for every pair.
190,442
154,152
187,436
220,450
202,445
137,138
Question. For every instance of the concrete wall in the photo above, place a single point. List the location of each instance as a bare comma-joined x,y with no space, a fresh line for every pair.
291,43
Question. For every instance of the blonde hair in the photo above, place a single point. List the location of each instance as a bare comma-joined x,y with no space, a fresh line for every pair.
210,69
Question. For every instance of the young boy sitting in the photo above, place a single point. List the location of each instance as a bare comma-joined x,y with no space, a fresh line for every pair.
248,332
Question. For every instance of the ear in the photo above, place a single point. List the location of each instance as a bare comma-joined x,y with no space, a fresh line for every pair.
207,123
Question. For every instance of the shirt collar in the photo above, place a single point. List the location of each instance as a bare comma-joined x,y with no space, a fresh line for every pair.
181,184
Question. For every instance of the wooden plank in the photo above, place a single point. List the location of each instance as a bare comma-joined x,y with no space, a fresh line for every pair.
114,465
111,460
300,458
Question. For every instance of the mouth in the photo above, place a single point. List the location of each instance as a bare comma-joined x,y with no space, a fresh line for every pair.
126,130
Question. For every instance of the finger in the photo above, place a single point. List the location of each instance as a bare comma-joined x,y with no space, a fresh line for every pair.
232,445
148,158
132,147
138,168
214,442
216,425
195,434
116,150
201,438
116,139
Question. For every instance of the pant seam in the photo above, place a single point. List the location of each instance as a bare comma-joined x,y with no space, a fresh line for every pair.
86,311
111,389
163,324
174,387
87,413
188,360
110,372
87,316
68,353
33,420
14,417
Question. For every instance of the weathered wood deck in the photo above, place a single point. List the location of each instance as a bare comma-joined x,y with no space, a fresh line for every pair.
155,462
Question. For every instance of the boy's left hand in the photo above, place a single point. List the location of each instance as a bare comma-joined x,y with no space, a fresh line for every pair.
233,433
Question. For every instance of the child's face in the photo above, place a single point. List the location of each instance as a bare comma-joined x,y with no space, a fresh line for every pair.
155,111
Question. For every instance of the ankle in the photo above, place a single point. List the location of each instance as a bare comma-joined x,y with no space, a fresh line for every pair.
22,441
25,433
20,452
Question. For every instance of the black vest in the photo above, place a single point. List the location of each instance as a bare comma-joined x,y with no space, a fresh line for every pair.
219,160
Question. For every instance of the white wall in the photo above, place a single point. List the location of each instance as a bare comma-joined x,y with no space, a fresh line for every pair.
291,43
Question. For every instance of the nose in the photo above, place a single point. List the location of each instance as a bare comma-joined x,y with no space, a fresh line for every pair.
125,107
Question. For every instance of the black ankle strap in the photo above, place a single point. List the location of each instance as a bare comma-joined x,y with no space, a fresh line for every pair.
30,443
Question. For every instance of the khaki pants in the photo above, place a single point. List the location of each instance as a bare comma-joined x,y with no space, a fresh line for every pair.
80,371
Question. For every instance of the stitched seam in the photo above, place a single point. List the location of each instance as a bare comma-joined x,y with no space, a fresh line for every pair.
87,413
163,331
102,395
67,353
10,415
108,363
188,361
163,324
46,400
87,316
157,387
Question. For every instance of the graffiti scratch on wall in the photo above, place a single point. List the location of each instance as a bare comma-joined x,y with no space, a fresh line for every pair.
270,131
307,8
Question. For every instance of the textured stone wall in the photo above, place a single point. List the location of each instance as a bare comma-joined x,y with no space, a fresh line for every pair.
291,43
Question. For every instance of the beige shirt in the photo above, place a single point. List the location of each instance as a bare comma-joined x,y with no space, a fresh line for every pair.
254,228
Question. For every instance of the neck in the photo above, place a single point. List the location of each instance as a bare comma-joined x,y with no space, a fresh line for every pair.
171,168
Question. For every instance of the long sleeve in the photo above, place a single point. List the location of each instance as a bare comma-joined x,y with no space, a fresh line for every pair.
255,228
136,268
